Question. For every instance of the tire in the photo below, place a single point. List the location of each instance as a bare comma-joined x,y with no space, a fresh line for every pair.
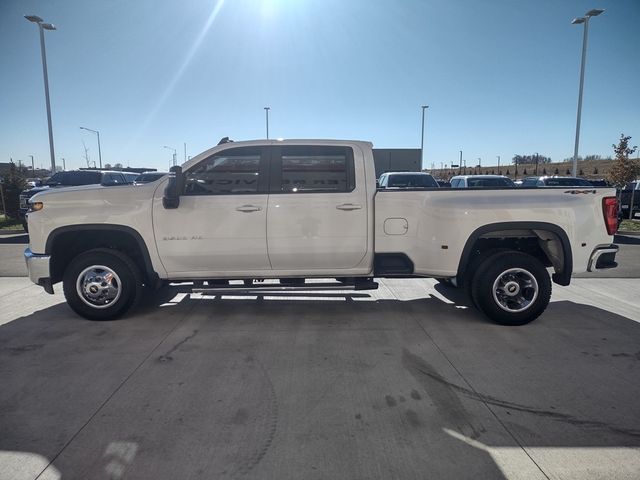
96,298
511,288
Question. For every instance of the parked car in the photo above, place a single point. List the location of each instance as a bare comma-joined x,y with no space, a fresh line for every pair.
70,178
309,210
630,190
33,182
599,182
407,180
481,181
555,181
148,177
130,177
443,183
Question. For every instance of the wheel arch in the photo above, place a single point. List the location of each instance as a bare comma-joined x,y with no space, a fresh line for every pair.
66,242
551,240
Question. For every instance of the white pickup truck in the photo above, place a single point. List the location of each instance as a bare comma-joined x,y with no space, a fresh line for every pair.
292,211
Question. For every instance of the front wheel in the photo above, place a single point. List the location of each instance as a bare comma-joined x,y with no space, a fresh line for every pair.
101,284
511,288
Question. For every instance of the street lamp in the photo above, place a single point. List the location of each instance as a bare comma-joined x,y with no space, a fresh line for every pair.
42,27
33,169
99,151
266,111
424,107
577,21
175,153
499,165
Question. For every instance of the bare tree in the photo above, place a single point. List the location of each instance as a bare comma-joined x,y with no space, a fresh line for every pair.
86,153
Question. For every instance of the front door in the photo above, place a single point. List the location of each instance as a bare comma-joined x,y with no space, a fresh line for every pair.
219,227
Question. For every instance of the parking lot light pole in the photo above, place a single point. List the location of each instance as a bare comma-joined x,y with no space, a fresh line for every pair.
499,165
578,21
175,154
33,169
424,107
460,165
42,27
266,112
99,151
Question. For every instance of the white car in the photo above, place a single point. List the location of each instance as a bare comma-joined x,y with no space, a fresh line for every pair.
481,181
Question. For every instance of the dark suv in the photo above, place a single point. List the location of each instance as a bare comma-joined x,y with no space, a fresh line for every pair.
73,178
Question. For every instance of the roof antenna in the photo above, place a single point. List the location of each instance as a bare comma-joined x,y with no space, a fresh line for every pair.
224,140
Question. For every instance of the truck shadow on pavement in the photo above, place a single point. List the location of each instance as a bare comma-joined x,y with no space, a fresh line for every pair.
342,386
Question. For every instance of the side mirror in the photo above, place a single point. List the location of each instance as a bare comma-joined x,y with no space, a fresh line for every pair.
174,189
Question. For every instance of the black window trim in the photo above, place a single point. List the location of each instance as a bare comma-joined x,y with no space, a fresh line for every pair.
263,174
275,179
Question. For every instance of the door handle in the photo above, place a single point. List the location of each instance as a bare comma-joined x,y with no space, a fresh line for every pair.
248,208
349,206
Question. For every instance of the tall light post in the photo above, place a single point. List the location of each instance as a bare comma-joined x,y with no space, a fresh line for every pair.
460,164
577,21
424,107
42,27
98,134
175,154
499,165
266,112
33,169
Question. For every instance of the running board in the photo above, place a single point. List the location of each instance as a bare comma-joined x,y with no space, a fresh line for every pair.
277,288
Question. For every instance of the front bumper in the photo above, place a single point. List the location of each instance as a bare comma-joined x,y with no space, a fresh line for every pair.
38,267
603,256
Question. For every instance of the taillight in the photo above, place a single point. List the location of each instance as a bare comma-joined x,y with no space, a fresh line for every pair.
610,211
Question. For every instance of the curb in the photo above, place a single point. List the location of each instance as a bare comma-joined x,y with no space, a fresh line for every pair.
631,234
12,232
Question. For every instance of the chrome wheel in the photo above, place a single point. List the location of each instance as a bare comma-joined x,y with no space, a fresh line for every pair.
98,286
515,290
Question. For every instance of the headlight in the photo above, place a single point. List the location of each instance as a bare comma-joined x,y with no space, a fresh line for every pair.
36,206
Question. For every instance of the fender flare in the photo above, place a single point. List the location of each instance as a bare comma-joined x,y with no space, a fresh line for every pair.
561,278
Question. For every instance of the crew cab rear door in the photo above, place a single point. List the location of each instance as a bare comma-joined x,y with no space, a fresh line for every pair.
317,214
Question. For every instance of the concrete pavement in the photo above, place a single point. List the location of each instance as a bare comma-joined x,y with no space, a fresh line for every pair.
403,382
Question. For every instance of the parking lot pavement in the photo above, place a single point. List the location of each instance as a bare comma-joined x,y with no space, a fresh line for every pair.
403,382
11,258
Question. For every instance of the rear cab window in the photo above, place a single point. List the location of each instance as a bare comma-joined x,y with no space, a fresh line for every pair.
312,169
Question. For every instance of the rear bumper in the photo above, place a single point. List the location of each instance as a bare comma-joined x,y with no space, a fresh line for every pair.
603,256
38,267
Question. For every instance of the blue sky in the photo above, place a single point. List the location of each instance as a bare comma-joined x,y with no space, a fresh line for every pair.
500,76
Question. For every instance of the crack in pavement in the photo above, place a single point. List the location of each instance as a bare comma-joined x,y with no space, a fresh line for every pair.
563,417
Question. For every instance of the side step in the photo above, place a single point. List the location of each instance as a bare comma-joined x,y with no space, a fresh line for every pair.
262,288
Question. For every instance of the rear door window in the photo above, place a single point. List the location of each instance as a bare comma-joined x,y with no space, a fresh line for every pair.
313,169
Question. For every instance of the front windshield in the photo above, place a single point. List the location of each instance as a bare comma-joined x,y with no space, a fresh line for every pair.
567,182
71,179
412,181
490,182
